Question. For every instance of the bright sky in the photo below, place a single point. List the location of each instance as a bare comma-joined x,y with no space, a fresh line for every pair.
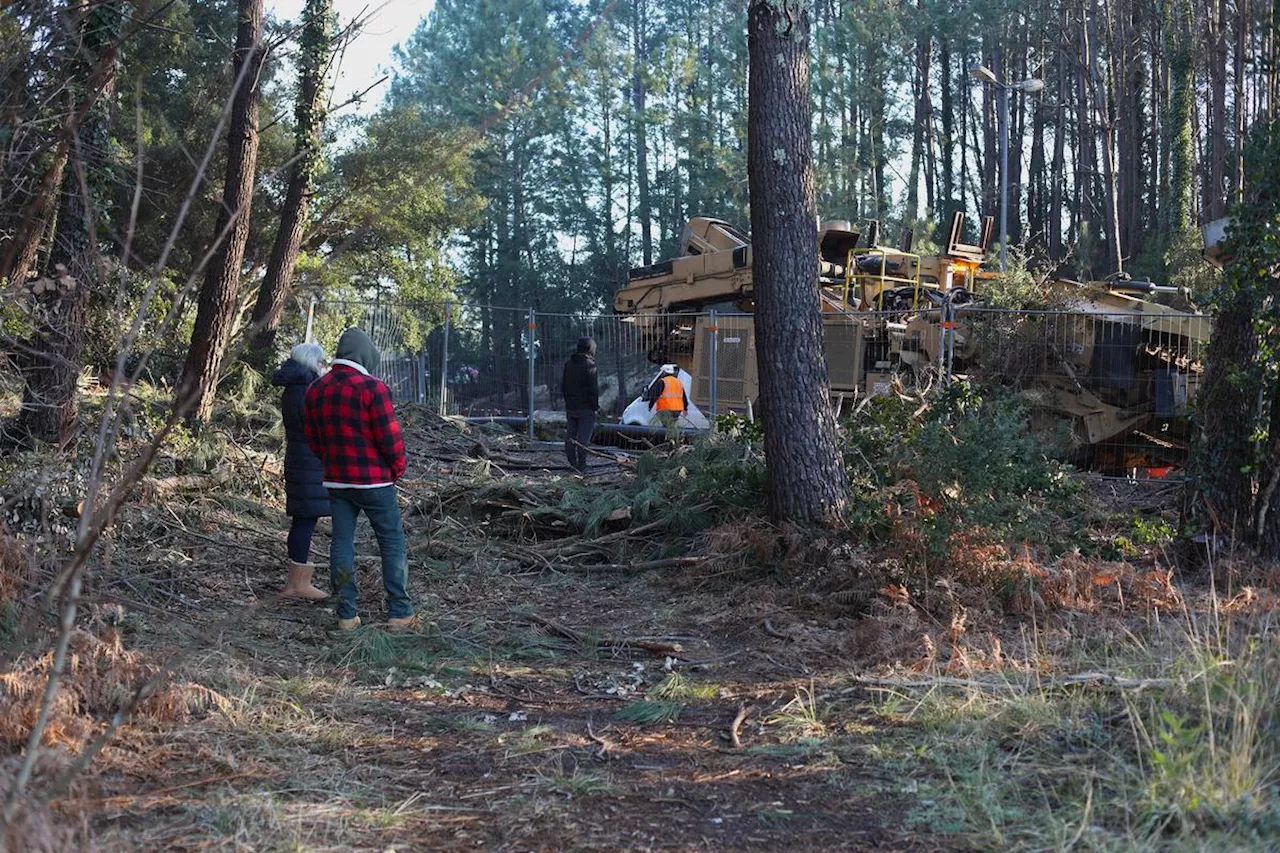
368,57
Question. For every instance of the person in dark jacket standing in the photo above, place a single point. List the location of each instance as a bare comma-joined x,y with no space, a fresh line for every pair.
306,498
581,389
351,425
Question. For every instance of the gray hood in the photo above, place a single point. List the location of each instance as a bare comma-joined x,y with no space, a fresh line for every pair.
357,347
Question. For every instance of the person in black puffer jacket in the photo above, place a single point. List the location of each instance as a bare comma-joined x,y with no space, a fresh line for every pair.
581,388
306,498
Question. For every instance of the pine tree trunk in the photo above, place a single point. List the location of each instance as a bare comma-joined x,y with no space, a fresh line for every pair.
1129,76
1086,159
991,139
50,404
1239,103
215,314
1180,203
924,51
1057,172
316,48
876,135
1215,191
807,481
1237,455
1224,405
1017,128
948,200
1036,178
640,61
42,210
1157,189
1104,104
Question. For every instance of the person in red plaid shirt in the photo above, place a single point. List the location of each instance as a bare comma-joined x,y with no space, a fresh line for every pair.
351,425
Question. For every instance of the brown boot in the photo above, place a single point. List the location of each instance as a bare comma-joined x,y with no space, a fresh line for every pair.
411,624
299,585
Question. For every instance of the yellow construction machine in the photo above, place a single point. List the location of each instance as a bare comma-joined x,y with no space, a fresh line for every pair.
877,302
1117,357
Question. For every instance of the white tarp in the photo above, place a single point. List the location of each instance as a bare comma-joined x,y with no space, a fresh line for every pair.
639,413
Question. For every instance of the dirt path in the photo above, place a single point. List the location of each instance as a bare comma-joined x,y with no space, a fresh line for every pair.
490,730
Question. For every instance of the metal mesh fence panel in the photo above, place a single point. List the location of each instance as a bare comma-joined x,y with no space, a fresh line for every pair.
622,364
409,338
488,357
1111,389
1120,383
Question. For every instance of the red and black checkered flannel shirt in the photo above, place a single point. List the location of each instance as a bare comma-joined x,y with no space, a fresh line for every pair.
352,427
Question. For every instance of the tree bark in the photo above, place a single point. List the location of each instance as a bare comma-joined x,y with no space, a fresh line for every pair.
1238,408
41,210
56,358
316,48
1036,177
1057,173
215,314
1017,128
948,200
990,136
639,94
1128,75
1104,105
1238,100
924,55
807,480
1215,191
1180,204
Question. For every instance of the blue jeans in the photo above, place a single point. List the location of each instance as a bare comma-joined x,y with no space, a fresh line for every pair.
384,515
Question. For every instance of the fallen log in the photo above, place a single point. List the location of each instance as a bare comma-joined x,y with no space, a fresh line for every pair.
162,486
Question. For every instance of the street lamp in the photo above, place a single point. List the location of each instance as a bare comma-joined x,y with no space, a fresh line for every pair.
1029,87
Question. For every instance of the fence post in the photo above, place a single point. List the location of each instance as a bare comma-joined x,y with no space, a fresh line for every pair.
943,315
951,341
714,387
311,316
533,325
444,358
422,376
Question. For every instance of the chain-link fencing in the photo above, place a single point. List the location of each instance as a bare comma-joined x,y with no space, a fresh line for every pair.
1113,390
1116,387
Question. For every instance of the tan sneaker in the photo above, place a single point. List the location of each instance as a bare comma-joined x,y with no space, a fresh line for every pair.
299,584
406,623
349,624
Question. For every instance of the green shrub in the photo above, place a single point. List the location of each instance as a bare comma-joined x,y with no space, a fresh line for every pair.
707,481
974,460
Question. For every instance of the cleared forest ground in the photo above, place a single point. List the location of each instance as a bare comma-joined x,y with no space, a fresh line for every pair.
631,687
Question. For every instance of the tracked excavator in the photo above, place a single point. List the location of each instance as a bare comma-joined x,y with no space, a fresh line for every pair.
1116,357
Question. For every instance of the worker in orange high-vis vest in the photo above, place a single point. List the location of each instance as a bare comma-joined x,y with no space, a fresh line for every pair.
666,396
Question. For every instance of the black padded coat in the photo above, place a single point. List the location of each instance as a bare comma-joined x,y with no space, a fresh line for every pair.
305,494
580,384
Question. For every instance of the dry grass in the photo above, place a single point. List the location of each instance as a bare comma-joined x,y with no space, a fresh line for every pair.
100,677
17,566
1190,762
487,732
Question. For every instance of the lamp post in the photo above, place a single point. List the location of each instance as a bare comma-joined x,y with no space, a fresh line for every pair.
1029,87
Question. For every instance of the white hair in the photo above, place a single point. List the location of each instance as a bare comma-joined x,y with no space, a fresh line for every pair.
310,356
